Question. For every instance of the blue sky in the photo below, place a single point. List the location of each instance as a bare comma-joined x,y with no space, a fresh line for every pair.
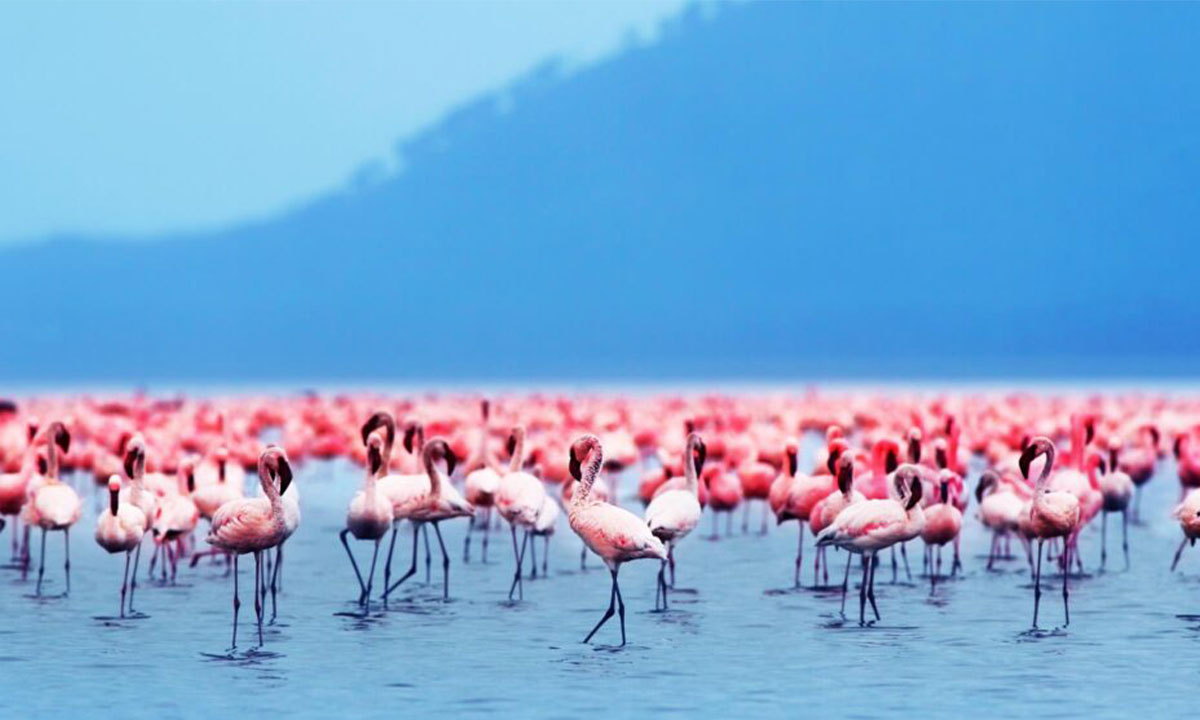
136,118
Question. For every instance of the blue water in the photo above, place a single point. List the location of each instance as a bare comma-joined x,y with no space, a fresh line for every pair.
742,642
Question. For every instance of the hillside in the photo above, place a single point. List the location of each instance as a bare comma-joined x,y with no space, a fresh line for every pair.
783,190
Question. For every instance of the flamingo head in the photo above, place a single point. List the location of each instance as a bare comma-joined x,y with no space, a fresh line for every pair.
135,454
837,448
845,473
275,460
580,452
886,453
1037,447
792,452
989,479
374,454
907,480
438,448
913,437
941,453
31,429
697,450
413,431
380,419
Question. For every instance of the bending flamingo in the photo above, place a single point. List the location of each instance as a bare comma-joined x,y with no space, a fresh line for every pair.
369,517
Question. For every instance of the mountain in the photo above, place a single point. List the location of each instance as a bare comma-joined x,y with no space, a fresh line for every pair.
781,190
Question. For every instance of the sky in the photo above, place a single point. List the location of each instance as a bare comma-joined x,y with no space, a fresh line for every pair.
132,119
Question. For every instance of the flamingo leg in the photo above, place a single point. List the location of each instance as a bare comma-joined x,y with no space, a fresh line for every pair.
67,560
125,581
153,561
387,566
671,562
533,566
517,585
871,589
862,592
445,563
370,579
716,533
546,557
957,564
661,589
766,508
817,566
411,570
620,606
846,582
1037,584
487,527
1125,536
894,566
42,564
275,575
729,522
137,556
258,604
825,567
362,587
467,542
583,558
992,549
745,517
612,606
237,602
428,554
799,553
1178,553
1103,540
1066,576
904,556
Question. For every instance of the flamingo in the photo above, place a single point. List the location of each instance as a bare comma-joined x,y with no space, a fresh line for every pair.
943,522
53,505
481,485
1116,489
999,509
804,493
674,514
615,534
1188,515
120,529
176,517
519,499
825,512
212,495
136,494
254,525
544,527
440,501
369,517
873,525
1054,514
14,486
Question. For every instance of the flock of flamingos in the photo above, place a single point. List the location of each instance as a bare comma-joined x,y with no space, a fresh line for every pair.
891,470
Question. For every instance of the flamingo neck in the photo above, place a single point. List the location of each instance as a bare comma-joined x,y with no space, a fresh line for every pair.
690,481
435,480
588,476
518,455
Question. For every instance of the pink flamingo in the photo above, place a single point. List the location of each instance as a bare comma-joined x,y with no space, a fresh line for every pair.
1054,514
440,501
519,500
14,486
673,515
869,526
480,488
176,518
211,496
827,510
53,505
254,525
120,529
1116,491
1000,508
1188,515
136,494
943,523
615,534
369,517
805,492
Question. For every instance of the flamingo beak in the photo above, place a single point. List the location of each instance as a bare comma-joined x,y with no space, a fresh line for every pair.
285,475
451,461
701,456
573,465
1027,456
62,438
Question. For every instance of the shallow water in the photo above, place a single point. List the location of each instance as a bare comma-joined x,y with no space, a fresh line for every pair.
739,641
